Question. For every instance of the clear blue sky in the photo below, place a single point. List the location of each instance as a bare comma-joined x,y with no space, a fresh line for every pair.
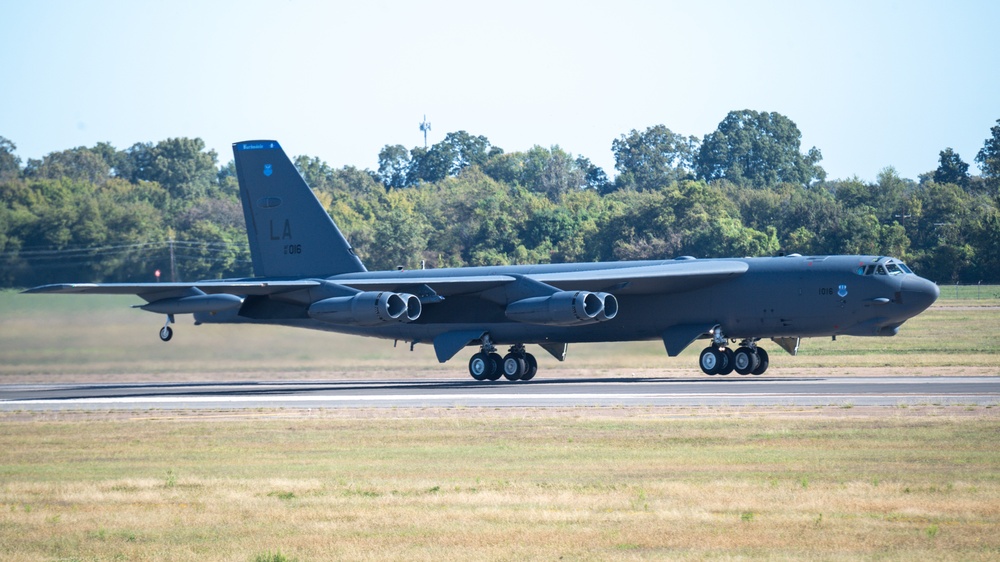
870,83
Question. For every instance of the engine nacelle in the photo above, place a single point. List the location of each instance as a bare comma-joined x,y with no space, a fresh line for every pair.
565,308
610,309
369,308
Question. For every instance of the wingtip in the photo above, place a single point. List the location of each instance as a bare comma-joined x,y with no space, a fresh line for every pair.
56,288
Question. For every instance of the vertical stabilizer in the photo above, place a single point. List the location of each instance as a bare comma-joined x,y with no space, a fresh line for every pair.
290,233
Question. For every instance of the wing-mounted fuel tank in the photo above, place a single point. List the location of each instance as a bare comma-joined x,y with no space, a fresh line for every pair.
367,308
194,302
564,308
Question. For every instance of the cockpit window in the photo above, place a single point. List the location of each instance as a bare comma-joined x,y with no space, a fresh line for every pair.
888,268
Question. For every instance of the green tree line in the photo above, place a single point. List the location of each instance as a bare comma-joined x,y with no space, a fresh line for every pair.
745,189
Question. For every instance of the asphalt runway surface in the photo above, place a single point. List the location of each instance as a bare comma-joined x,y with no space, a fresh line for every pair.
563,393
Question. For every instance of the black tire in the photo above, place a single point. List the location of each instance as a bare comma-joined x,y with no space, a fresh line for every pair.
745,360
497,371
728,362
514,366
763,364
166,333
710,361
531,365
479,366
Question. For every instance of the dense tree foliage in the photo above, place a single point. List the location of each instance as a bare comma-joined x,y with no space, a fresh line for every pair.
988,159
653,158
10,164
758,149
103,214
951,169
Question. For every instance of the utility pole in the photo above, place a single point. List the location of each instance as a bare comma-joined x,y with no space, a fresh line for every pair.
425,126
173,263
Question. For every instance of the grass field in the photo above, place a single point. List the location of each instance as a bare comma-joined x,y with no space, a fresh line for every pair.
785,483
100,338
918,483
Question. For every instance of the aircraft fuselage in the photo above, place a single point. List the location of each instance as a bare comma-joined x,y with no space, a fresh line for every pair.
777,297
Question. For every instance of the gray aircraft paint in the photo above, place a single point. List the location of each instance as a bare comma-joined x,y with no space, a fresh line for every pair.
300,257
284,220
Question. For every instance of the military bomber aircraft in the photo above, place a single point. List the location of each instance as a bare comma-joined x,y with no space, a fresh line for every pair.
307,275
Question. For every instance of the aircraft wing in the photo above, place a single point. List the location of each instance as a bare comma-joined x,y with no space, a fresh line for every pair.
648,279
157,291
443,286
661,278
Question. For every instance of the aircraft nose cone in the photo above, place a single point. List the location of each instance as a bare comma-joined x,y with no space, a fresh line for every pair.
918,293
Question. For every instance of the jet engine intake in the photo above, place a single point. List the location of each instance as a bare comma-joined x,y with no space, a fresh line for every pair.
565,308
368,308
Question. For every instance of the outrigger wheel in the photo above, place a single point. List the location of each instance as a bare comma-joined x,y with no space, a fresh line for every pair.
166,332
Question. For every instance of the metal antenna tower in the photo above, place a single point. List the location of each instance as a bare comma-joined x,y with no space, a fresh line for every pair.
425,126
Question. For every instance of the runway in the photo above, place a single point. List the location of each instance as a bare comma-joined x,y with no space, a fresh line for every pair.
402,393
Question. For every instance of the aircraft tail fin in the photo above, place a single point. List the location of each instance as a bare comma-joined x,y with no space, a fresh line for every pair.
290,233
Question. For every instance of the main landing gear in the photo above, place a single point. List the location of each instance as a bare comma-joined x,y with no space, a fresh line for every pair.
719,359
516,365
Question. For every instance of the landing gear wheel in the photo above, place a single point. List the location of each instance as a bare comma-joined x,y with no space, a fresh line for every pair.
763,364
514,366
728,363
497,370
480,366
166,333
531,367
745,360
711,361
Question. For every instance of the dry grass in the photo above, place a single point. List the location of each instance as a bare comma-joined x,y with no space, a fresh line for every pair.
908,483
